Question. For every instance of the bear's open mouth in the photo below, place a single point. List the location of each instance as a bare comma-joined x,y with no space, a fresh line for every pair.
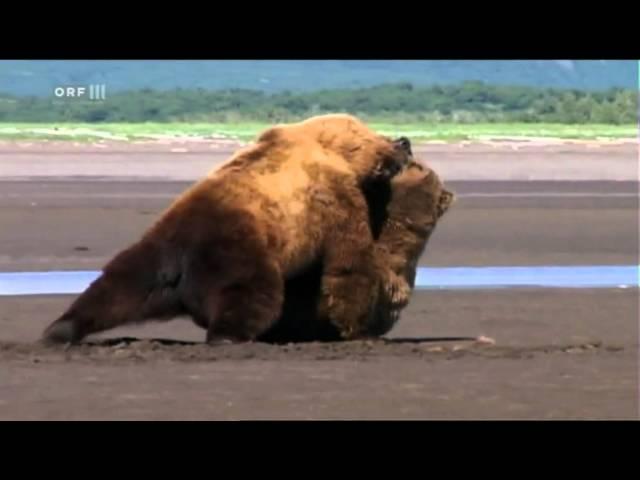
388,169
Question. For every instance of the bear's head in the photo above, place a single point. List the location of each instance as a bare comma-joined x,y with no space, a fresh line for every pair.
370,155
419,200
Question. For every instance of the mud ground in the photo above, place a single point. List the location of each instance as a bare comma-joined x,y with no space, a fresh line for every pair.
557,353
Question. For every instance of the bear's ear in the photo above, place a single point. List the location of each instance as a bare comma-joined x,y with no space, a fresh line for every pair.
446,200
413,164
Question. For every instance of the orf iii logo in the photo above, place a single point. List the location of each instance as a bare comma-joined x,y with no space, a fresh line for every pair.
91,92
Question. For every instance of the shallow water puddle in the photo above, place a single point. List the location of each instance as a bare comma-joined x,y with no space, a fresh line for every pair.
591,276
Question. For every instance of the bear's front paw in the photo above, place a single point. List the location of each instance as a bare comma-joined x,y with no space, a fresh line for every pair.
397,291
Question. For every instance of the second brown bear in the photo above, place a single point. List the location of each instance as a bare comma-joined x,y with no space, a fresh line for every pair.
403,220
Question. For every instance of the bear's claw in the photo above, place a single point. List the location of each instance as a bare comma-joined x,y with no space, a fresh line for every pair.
398,292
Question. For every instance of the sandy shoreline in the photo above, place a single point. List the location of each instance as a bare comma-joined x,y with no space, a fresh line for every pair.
504,161
204,144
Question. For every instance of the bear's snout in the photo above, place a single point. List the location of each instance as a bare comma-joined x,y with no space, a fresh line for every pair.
404,144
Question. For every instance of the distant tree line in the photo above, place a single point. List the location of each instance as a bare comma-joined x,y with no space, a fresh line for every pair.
464,103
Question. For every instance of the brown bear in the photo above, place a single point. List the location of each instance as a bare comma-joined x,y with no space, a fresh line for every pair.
417,199
223,250
419,202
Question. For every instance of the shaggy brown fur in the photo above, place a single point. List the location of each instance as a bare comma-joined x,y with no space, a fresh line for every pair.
222,252
418,200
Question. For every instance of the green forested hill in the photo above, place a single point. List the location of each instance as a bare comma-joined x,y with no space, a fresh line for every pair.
469,102
32,77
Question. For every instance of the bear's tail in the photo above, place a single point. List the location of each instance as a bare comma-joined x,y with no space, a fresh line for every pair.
140,283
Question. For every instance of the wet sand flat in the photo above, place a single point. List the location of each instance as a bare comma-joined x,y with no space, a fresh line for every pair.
558,354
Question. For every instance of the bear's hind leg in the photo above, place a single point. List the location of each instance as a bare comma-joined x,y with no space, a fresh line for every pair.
113,300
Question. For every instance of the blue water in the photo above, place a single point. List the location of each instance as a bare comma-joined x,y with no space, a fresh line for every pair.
601,276
606,276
